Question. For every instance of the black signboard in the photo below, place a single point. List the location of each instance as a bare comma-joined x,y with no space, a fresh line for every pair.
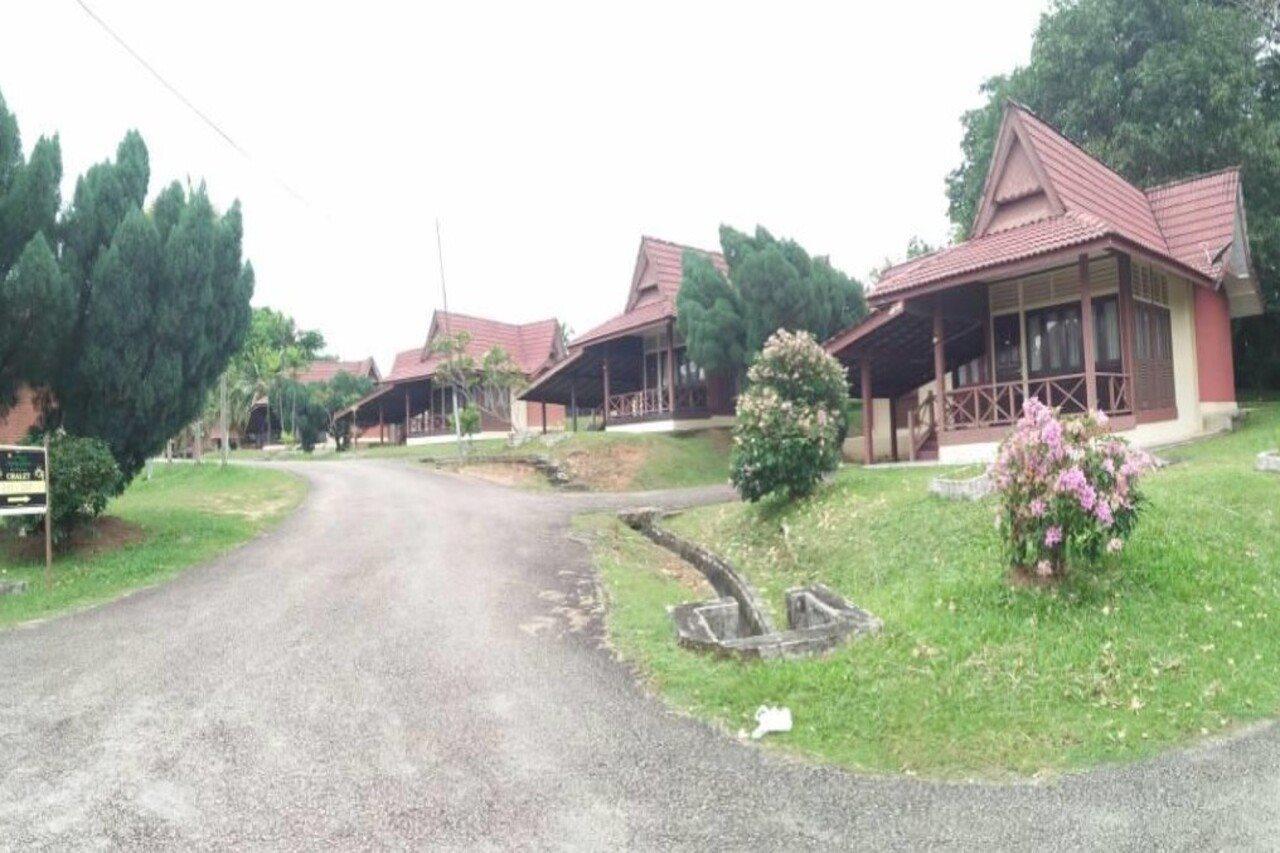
22,481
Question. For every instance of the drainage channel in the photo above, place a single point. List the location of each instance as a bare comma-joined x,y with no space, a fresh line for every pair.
736,624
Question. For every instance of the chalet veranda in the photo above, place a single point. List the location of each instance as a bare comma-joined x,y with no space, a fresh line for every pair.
1076,288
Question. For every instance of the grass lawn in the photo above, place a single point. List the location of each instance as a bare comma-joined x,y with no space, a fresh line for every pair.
186,514
1176,638
603,461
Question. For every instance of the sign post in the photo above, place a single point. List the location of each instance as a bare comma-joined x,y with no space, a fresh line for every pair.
24,490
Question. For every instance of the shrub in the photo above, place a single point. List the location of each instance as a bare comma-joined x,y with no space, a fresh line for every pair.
1068,490
791,419
84,478
468,420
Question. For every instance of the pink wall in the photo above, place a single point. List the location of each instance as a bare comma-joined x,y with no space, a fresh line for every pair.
1213,347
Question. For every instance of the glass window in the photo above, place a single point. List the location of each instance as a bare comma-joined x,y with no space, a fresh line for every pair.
1106,321
1054,342
1008,346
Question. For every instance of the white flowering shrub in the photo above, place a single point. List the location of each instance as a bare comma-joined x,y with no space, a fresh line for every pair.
791,419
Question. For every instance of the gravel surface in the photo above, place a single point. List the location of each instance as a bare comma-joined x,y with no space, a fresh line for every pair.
416,659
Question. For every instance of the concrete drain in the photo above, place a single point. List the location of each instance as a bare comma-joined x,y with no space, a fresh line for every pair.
736,624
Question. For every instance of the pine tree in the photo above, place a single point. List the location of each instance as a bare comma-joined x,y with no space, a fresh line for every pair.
35,303
772,284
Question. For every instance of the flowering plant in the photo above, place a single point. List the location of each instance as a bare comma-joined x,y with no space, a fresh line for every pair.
791,419
1067,490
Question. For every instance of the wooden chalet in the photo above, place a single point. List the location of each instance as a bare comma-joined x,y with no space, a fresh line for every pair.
632,372
263,427
1077,288
413,406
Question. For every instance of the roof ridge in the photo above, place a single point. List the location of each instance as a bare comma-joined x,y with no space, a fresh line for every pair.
1062,135
1210,174
499,322
651,239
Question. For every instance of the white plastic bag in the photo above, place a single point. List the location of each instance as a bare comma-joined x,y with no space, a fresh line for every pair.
771,720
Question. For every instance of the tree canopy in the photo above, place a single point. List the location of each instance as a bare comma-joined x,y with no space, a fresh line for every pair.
772,284
1158,90
35,296
127,315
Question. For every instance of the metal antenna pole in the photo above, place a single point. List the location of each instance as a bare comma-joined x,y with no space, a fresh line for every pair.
444,298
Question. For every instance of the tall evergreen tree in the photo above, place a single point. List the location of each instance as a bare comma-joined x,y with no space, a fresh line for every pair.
166,307
772,284
1159,90
35,304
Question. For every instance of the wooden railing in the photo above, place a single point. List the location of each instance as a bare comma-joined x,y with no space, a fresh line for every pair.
921,426
653,402
1000,403
428,423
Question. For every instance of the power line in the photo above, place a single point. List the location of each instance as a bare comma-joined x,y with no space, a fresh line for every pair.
213,125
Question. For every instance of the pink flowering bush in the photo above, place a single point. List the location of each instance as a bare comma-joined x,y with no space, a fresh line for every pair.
1068,490
791,419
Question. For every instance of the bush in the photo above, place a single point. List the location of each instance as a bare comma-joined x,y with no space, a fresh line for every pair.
84,478
468,420
791,419
1068,490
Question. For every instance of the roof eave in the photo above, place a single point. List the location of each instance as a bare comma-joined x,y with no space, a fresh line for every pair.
1022,266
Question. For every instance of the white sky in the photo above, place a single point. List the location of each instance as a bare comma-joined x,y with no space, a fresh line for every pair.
547,137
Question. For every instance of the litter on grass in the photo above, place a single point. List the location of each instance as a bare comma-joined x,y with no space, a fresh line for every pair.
771,720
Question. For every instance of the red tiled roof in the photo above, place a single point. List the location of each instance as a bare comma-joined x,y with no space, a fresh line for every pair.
629,321
1198,217
666,261
322,370
1085,185
1180,221
530,345
1026,241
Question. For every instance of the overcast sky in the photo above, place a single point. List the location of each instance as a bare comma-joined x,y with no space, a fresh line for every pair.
546,137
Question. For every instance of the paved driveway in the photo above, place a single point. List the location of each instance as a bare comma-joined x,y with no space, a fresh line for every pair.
414,659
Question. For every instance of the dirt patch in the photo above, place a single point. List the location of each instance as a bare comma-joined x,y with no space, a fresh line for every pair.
502,473
1021,577
608,468
252,509
105,535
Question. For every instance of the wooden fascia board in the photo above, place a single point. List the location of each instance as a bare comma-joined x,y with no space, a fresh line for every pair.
851,335
1010,129
642,263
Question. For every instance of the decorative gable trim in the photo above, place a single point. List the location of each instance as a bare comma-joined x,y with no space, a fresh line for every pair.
1015,178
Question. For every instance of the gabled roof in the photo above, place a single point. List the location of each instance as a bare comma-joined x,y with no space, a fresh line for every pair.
324,369
1197,216
655,282
1045,193
530,345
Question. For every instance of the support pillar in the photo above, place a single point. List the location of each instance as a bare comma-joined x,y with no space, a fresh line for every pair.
1089,333
939,370
544,417
382,427
671,367
893,428
1124,266
868,415
604,406
406,416
573,402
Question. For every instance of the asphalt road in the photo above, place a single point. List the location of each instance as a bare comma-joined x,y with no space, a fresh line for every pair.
415,660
